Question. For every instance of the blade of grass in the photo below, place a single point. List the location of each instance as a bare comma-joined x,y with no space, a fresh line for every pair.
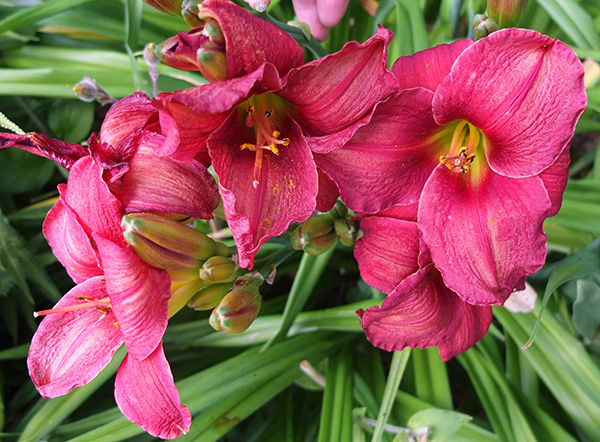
398,364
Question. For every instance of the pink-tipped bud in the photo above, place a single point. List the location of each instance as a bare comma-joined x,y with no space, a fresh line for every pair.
507,13
315,236
209,297
483,26
237,311
88,90
165,243
190,10
347,231
180,51
218,269
213,64
172,7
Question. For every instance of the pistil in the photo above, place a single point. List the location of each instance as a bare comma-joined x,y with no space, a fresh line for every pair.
462,154
261,117
102,305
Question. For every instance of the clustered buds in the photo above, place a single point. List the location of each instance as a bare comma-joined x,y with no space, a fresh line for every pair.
319,233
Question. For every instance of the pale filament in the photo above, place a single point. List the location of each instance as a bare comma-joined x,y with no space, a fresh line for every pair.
102,305
267,137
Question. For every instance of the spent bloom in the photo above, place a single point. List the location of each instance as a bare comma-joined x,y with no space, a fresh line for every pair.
260,129
479,136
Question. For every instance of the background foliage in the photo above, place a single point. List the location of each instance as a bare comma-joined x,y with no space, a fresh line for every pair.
549,392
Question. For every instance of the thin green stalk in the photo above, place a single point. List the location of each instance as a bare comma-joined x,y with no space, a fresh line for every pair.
399,361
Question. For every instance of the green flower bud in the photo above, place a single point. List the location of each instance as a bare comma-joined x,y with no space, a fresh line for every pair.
339,210
237,311
209,297
347,231
158,256
212,63
218,269
170,234
190,10
483,26
507,13
315,236
172,7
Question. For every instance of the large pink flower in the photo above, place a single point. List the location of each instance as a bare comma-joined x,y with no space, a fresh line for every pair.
479,136
119,298
420,310
261,130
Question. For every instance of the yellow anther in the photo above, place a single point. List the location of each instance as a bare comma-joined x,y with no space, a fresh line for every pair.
274,148
443,159
250,108
248,146
276,133
286,142
463,151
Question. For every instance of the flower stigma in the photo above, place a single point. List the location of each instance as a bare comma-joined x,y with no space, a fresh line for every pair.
261,116
465,140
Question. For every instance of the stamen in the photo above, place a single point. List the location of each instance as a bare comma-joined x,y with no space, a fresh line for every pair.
461,156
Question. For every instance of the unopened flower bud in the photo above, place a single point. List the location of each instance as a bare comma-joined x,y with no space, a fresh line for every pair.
483,26
209,297
213,64
165,243
190,10
172,7
259,5
237,311
88,90
507,13
218,269
315,236
339,210
347,231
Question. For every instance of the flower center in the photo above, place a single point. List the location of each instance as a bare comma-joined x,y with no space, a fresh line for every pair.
261,116
465,140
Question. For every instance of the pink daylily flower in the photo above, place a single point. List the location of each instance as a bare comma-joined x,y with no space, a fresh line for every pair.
479,135
119,298
261,130
420,310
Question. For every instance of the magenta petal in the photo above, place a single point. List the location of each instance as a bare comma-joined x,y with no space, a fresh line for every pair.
146,394
65,154
89,197
555,180
484,233
328,192
69,242
428,68
161,184
523,90
123,120
69,349
474,325
388,251
421,312
286,189
307,12
138,293
189,117
251,41
388,161
335,95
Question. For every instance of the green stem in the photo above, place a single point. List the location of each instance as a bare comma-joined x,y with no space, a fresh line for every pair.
399,361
